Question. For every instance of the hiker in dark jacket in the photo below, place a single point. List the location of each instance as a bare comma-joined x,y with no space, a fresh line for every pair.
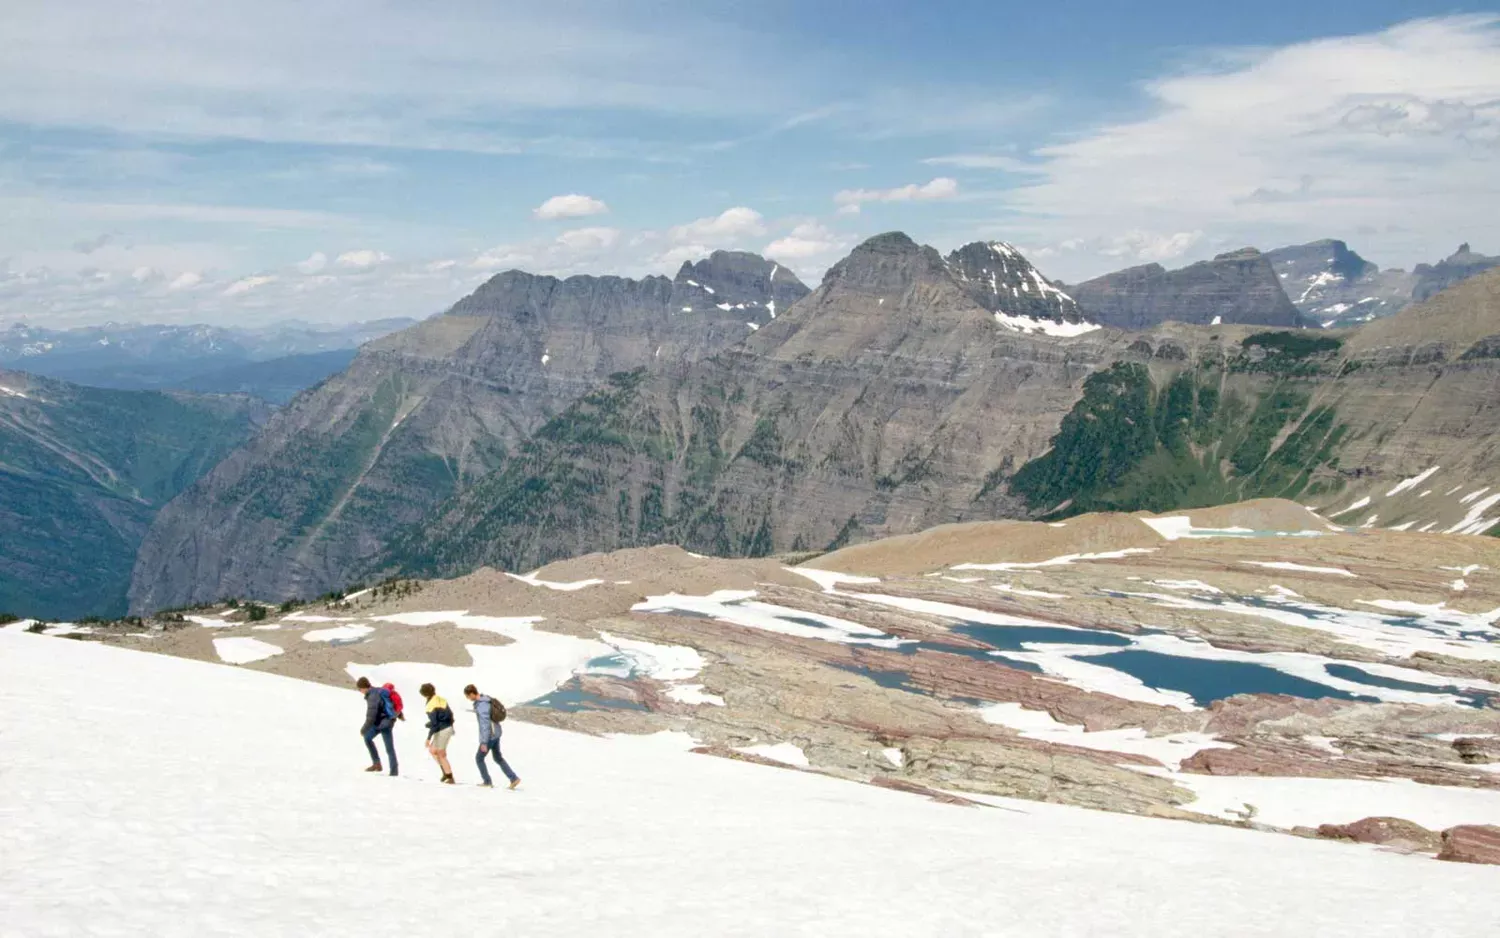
439,729
379,719
489,738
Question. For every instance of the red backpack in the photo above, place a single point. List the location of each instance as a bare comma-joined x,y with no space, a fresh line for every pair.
395,698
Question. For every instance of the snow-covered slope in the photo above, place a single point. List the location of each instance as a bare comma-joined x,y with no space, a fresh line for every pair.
154,795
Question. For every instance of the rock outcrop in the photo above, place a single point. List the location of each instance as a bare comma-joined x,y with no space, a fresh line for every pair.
1387,832
1239,287
1471,843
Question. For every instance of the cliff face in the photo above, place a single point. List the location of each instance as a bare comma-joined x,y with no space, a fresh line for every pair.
423,413
1236,288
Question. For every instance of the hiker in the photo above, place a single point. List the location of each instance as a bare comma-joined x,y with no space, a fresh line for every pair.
380,717
439,729
490,712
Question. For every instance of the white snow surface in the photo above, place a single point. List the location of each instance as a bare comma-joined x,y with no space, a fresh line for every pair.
1292,802
341,633
785,753
829,580
1045,326
1413,482
737,608
1180,526
1039,724
531,579
1354,507
1299,567
240,650
1062,561
607,836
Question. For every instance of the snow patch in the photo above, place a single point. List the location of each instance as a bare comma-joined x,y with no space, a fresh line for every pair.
785,753
1298,567
532,580
341,635
1062,561
1413,482
244,650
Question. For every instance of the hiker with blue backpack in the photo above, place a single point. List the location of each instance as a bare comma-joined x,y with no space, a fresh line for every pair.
382,710
491,713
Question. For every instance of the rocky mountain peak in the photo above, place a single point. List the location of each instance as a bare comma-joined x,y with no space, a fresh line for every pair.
999,278
737,280
1236,287
890,263
1332,285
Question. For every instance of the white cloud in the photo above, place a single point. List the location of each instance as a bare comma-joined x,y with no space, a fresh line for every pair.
1389,139
805,241
314,263
346,72
1009,164
362,259
569,206
246,284
1150,246
588,239
185,281
850,200
729,225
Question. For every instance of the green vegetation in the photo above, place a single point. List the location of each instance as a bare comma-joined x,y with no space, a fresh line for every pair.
1127,446
1303,353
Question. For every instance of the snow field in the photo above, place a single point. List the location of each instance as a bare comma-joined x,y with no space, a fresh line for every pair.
232,802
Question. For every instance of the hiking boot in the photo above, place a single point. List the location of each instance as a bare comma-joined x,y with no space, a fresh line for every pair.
486,784
447,780
514,784
375,768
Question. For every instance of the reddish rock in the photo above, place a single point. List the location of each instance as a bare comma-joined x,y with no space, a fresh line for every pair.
1471,843
724,752
1388,831
901,784
1253,759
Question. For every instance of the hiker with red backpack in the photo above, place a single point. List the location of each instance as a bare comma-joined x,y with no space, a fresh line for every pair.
382,710
491,713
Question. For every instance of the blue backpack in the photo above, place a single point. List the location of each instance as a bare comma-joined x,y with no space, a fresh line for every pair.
387,705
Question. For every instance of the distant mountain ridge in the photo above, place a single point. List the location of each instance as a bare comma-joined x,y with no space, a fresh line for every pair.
83,472
542,418
134,356
422,414
1239,287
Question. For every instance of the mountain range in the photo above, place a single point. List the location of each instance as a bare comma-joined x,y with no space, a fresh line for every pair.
273,362
731,410
541,418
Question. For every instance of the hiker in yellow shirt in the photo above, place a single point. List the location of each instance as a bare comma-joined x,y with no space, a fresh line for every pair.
439,729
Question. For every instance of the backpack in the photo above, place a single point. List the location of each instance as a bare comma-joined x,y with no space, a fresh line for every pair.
388,709
497,711
390,689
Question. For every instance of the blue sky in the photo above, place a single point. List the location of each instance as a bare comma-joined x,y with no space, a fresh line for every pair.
338,159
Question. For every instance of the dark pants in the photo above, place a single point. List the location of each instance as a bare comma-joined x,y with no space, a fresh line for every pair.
383,730
484,771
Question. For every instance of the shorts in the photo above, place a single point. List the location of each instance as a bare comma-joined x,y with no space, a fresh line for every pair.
440,739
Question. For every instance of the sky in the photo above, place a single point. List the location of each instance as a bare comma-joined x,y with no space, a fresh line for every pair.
336,160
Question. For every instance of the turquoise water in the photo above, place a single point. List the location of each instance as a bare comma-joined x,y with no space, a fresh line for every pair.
1208,681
